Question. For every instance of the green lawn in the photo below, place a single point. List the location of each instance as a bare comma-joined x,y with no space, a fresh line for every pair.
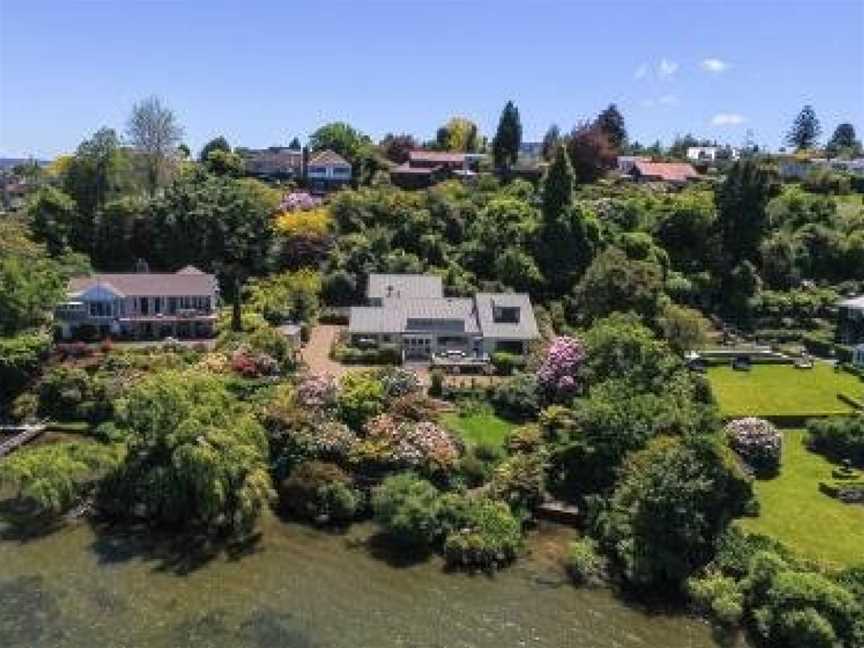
796,513
782,389
483,427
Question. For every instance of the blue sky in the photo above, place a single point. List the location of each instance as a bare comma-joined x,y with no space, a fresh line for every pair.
262,72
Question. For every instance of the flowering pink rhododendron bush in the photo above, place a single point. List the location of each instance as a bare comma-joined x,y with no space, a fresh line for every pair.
317,391
559,375
757,441
423,445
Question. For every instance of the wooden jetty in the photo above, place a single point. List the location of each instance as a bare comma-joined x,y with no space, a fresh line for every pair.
22,434
558,511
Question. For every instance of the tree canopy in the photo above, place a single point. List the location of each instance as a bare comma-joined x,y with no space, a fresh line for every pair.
508,137
195,456
805,130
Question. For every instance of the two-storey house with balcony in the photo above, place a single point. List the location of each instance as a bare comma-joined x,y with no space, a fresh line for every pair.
140,305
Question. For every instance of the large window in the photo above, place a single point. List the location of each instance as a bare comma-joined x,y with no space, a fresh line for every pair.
100,309
506,314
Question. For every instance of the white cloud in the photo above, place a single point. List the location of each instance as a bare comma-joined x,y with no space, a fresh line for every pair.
727,119
714,65
641,71
666,68
664,100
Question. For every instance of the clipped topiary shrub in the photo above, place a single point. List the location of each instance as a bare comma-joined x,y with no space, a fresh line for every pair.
757,442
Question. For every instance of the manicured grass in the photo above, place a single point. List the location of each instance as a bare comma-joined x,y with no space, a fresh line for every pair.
782,389
481,427
794,511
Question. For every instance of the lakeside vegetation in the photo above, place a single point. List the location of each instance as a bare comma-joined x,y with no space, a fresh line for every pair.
200,441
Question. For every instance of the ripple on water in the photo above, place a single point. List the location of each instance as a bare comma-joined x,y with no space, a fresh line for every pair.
303,588
29,614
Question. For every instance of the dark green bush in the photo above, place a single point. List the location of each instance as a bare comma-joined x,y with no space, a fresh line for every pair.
321,492
436,388
838,437
583,563
517,397
480,532
20,359
408,509
506,363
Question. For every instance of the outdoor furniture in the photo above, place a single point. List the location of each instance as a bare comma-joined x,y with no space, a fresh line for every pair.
742,363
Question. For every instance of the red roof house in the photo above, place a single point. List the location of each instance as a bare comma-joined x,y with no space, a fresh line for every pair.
677,173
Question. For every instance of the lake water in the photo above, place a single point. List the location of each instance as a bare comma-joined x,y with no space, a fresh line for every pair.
297,587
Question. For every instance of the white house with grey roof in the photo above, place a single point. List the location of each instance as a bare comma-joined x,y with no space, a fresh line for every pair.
139,305
411,311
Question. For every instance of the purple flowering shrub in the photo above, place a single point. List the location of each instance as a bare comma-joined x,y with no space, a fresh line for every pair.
757,441
559,375
317,391
299,201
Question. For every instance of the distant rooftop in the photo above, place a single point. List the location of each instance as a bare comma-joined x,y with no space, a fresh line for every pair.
667,171
440,157
327,158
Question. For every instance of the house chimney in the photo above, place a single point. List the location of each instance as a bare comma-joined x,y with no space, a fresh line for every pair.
142,267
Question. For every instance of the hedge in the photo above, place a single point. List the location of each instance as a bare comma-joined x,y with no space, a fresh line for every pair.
818,345
386,354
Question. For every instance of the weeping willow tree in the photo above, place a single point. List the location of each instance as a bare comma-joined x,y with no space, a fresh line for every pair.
195,458
54,477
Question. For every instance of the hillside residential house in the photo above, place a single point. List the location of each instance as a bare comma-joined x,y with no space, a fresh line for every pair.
791,167
672,173
625,163
140,305
412,312
327,171
275,162
712,153
424,168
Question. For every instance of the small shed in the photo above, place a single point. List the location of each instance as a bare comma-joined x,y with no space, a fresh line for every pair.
292,333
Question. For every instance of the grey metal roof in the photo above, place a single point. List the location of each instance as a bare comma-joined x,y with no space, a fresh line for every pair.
405,286
444,315
374,319
524,329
